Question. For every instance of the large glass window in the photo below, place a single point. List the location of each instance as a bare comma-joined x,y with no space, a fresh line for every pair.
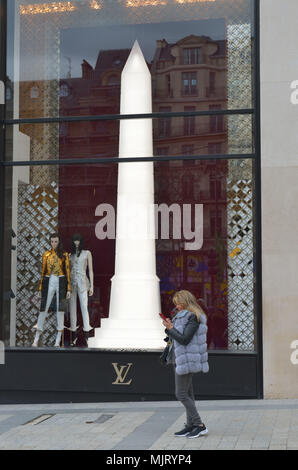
209,253
66,58
64,66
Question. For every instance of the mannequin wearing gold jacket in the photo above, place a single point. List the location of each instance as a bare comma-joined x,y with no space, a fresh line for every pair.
55,279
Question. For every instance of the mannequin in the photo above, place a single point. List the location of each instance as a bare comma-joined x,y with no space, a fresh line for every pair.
81,286
55,279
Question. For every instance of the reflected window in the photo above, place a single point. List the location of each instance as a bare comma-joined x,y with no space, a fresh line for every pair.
34,92
64,90
215,187
216,122
189,83
214,148
192,55
164,124
189,121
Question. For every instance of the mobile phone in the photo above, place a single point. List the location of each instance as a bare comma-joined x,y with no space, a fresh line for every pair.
162,316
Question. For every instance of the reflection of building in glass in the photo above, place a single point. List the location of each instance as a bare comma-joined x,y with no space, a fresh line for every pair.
190,75
187,76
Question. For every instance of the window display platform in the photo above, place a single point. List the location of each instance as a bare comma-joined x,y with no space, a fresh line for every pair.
52,375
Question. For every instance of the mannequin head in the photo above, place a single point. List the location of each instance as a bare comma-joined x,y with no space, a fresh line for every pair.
56,244
77,243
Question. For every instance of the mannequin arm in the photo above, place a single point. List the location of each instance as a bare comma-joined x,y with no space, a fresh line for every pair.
43,270
67,269
90,268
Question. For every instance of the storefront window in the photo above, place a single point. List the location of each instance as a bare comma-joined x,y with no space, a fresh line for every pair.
73,53
64,65
204,240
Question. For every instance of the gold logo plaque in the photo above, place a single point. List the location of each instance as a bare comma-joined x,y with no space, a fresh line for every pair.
121,373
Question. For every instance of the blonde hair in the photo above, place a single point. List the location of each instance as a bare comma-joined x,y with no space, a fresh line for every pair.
188,300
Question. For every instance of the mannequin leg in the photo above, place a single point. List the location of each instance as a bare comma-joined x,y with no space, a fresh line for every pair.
60,328
73,316
42,315
73,310
39,327
83,296
60,317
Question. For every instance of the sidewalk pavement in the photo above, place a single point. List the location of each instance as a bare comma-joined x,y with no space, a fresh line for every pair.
232,424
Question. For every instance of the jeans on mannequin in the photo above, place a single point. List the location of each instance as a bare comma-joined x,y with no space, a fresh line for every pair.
52,290
83,298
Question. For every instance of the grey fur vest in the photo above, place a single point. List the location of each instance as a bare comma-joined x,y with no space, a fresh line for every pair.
193,357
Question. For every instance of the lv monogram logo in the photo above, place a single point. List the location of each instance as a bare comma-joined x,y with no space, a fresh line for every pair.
121,373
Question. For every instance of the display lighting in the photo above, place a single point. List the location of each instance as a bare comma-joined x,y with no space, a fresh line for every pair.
144,3
195,1
55,7
95,5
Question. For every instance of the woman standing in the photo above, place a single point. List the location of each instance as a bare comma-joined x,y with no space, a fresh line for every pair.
188,352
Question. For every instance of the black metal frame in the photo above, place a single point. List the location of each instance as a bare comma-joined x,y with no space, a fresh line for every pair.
3,7
114,117
258,201
256,157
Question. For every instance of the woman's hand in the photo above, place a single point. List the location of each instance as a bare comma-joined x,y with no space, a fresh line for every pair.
168,324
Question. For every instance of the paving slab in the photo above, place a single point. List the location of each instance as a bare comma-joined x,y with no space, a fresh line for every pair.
232,425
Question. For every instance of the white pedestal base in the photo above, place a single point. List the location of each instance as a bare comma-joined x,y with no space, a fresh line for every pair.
134,321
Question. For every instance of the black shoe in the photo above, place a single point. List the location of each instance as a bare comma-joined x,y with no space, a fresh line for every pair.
198,431
86,335
74,337
185,431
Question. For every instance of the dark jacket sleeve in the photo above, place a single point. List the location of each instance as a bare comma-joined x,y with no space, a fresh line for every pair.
190,328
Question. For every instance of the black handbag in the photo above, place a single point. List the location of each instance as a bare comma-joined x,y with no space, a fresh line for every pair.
163,356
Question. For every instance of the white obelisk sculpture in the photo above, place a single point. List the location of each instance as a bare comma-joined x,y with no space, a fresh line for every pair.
133,321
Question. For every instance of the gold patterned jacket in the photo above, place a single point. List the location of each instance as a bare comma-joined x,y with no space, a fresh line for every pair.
52,264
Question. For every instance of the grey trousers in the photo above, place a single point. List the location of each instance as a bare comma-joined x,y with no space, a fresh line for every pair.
184,393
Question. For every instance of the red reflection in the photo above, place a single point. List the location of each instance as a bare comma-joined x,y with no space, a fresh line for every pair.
203,272
189,75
